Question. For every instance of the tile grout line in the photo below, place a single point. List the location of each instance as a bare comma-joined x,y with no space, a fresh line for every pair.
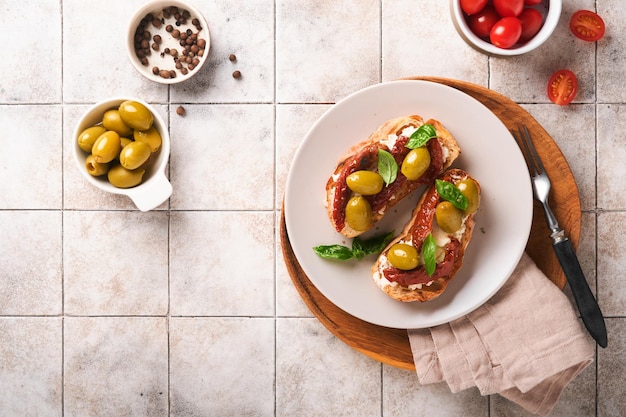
62,222
274,217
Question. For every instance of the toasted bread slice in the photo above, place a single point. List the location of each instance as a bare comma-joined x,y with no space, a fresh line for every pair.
416,284
390,136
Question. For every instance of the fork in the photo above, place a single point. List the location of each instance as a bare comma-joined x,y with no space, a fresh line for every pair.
585,301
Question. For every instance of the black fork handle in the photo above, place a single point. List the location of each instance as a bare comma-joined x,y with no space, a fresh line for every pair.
587,304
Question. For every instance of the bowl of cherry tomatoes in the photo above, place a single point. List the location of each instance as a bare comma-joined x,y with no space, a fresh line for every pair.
505,27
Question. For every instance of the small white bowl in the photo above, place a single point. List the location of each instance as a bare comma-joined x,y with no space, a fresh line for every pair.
155,187
551,11
159,58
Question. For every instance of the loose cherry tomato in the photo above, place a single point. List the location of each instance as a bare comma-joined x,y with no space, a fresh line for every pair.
506,32
587,25
532,21
482,22
471,7
562,87
508,8
532,2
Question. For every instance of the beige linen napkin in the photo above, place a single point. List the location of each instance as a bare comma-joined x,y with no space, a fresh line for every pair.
526,344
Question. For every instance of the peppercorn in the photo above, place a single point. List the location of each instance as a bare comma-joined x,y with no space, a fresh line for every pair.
232,57
236,74
180,110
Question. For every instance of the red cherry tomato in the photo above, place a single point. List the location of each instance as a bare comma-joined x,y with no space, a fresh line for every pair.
587,25
506,32
532,21
508,8
562,87
482,22
532,2
471,7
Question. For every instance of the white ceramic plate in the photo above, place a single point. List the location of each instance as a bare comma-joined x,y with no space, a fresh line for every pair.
488,153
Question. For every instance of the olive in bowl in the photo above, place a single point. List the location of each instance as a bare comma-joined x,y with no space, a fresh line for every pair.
505,27
168,41
122,146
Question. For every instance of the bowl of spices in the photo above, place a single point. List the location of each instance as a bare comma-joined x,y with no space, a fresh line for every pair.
168,41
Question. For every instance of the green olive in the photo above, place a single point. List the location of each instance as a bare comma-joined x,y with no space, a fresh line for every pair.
125,141
403,256
88,136
135,115
113,121
95,168
365,182
469,189
150,136
415,163
358,213
107,147
134,155
449,218
121,177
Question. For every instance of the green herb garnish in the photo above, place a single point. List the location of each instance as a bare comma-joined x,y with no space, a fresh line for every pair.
387,166
360,248
428,253
421,136
449,192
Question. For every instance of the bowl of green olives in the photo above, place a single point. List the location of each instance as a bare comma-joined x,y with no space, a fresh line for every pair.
122,146
168,41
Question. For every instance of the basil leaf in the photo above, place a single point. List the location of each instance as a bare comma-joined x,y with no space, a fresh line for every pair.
334,252
428,253
421,136
362,248
449,192
387,166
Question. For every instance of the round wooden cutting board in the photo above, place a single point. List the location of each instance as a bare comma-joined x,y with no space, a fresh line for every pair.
391,346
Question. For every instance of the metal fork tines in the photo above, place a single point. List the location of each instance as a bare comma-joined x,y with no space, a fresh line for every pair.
540,180
585,301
